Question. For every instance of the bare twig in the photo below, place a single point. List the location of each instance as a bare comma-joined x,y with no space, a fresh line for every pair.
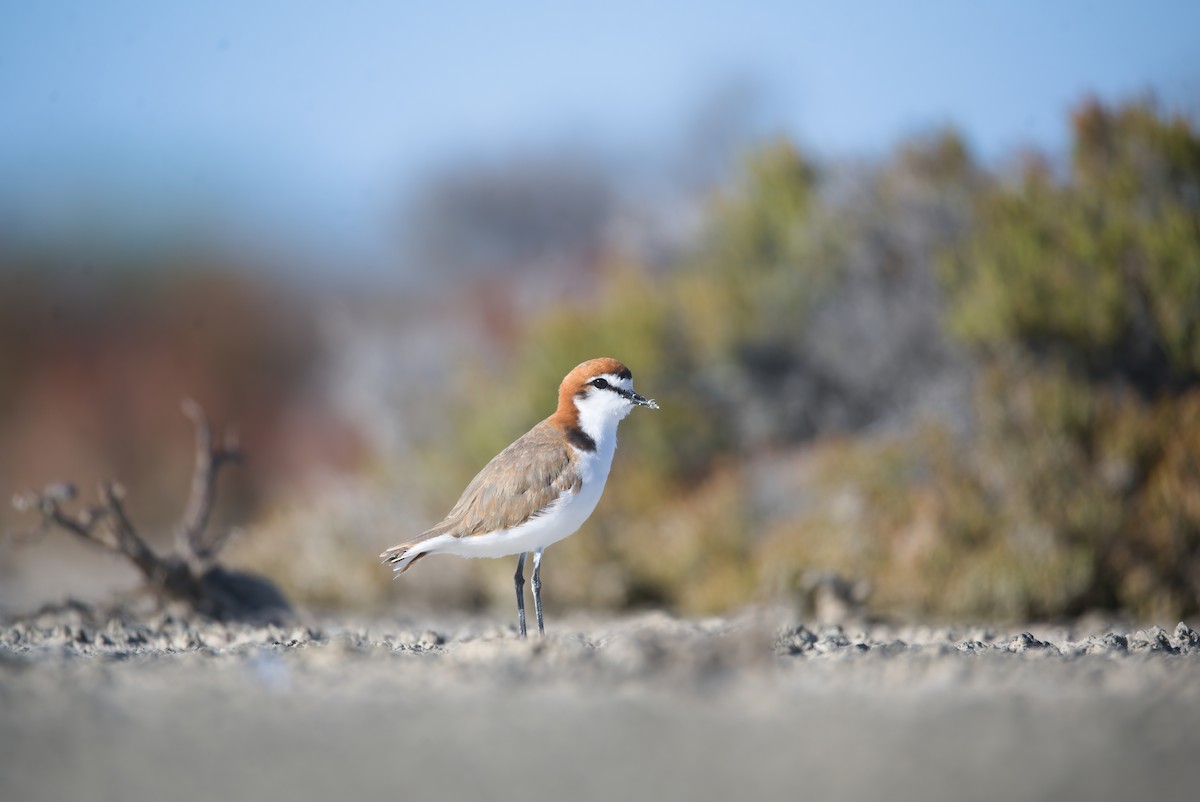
109,526
106,525
47,503
190,534
129,542
190,573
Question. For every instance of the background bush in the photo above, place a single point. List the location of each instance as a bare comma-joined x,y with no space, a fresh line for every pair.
976,390
970,389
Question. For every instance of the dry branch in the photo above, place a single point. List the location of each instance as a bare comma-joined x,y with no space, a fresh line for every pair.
190,534
190,573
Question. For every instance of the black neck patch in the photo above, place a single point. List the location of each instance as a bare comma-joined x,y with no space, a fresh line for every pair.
580,439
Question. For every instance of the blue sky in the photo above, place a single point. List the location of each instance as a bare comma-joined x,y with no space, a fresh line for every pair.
328,110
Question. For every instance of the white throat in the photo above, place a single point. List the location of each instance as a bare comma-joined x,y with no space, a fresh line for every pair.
598,418
599,413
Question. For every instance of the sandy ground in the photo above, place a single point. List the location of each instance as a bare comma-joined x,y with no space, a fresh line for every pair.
644,707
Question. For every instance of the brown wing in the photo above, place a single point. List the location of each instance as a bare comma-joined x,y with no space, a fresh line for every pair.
519,482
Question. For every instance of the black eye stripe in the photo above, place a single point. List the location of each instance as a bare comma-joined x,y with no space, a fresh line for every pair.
602,383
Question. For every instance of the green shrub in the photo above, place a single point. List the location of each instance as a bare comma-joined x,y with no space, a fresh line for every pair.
1077,483
1082,300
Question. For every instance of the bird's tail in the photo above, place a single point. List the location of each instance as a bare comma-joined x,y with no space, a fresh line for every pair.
402,556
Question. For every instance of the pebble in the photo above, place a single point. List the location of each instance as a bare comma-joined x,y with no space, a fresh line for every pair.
80,631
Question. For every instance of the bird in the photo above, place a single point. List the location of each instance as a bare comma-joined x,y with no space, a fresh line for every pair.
541,488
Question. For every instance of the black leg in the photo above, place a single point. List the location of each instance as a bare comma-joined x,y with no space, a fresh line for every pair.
537,589
519,581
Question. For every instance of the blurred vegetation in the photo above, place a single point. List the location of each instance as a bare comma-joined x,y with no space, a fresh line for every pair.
975,390
1081,297
798,352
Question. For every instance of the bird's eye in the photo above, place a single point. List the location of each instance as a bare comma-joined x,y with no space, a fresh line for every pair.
599,384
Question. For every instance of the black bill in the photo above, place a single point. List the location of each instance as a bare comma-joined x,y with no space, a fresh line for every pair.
640,400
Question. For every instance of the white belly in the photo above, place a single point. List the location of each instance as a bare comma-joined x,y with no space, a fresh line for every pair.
560,520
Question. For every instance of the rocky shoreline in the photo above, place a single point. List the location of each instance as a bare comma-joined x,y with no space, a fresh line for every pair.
80,630
136,704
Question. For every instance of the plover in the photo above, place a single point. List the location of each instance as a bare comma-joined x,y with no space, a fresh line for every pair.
541,488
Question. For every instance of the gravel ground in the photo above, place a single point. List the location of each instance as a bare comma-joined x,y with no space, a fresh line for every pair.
158,706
